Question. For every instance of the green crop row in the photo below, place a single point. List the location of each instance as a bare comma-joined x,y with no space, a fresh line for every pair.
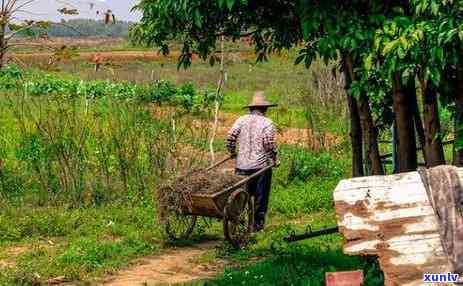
186,95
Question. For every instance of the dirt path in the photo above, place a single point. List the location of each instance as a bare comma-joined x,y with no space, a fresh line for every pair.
178,265
290,136
123,56
9,255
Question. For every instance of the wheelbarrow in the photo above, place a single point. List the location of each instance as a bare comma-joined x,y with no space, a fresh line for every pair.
233,205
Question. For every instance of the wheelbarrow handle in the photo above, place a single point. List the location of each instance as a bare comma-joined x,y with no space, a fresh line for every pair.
260,172
248,178
215,165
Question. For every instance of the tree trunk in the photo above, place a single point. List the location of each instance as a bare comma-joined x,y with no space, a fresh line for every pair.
355,127
403,109
369,132
433,147
356,137
418,123
3,44
370,137
458,150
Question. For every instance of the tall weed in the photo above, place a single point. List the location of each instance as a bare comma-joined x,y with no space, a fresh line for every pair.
86,152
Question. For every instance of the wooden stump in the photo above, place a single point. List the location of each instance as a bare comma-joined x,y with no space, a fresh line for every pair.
392,218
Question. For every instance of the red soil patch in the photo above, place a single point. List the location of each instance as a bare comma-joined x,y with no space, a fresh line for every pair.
123,56
290,136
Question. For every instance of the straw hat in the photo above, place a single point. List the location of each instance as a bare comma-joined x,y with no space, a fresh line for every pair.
258,100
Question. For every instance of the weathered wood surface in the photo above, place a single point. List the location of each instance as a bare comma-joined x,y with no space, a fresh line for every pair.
392,218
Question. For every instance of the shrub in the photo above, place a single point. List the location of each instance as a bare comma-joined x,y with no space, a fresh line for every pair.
305,165
159,92
11,185
10,77
302,199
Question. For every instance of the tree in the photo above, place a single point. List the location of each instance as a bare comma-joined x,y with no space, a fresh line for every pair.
272,25
12,26
8,28
384,48
426,45
82,28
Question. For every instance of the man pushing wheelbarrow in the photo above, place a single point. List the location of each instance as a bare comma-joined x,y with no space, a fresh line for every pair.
254,133
211,193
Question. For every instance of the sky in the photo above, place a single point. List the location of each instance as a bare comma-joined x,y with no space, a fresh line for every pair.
48,9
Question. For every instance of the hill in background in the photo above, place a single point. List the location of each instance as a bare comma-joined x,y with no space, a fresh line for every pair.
82,28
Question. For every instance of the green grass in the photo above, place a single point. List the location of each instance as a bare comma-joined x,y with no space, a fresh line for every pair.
85,243
44,236
78,243
295,205
298,91
300,263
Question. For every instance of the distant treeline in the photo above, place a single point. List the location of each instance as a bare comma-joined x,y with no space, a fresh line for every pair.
82,28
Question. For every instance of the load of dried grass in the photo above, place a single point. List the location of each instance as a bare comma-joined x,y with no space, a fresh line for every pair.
176,195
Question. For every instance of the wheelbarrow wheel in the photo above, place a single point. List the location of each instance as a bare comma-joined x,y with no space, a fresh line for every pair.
179,226
238,218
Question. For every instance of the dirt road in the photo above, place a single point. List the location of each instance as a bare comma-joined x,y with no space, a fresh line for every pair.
177,265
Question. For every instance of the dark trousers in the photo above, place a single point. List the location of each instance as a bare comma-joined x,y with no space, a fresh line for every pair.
259,187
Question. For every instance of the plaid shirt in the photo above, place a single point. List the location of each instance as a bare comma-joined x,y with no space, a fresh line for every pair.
255,135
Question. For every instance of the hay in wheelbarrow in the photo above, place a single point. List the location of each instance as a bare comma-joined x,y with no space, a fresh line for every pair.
176,195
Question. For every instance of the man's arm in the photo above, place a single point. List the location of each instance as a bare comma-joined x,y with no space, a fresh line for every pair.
232,137
269,143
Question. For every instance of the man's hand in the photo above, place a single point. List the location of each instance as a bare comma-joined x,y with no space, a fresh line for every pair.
274,163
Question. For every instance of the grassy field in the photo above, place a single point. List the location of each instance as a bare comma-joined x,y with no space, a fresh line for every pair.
301,93
78,177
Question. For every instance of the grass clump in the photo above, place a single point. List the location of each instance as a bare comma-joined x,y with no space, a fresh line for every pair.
76,243
299,266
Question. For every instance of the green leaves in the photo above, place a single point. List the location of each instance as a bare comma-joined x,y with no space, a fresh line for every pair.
433,74
197,18
306,55
228,3
460,35
161,92
459,142
434,7
422,38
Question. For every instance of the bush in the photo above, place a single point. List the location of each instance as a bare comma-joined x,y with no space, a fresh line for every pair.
10,77
11,185
302,199
305,165
159,92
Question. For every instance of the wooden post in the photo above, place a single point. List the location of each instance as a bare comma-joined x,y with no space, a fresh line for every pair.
392,218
